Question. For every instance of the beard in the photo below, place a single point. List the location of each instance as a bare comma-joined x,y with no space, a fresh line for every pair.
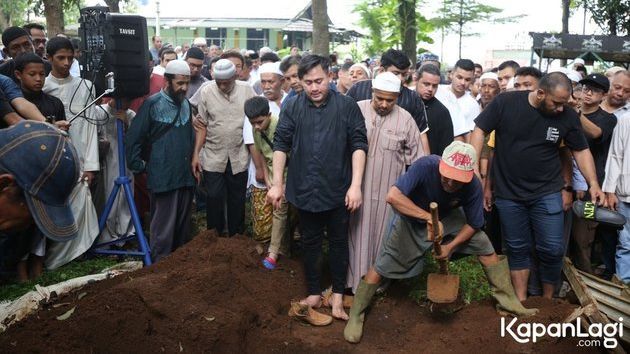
177,96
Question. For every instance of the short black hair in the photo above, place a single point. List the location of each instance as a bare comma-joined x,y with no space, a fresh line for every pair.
529,71
429,69
312,61
234,54
346,66
28,58
29,26
289,61
269,57
464,64
478,66
76,43
509,63
164,51
494,70
248,63
552,81
396,58
58,43
256,106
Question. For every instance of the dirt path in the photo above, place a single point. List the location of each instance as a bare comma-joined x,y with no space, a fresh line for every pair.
213,296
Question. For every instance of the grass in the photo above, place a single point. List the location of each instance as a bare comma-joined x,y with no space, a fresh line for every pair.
473,285
74,269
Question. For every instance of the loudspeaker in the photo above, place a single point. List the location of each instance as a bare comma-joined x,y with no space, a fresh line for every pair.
117,43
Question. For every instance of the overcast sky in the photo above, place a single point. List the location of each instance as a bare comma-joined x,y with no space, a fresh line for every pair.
540,16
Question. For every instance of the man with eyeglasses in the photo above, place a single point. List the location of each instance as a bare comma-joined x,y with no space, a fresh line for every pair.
38,37
17,41
598,126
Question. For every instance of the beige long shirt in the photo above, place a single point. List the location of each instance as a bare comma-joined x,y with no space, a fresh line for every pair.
223,116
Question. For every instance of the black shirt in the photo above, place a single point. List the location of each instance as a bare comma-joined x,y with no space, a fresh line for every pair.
407,100
5,108
8,69
439,119
600,146
321,141
527,160
50,106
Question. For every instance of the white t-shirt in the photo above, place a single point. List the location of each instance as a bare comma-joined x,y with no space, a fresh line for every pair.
463,110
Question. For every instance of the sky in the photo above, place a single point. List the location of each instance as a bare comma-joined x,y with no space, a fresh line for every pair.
539,16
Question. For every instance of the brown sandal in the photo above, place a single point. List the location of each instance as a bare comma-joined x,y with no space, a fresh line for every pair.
327,295
306,313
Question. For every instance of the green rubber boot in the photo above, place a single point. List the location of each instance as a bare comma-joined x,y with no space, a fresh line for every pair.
362,299
501,284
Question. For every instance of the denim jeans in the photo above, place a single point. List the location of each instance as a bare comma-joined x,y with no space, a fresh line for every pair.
537,224
623,247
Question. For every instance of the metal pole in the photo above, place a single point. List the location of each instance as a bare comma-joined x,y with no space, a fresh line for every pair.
157,18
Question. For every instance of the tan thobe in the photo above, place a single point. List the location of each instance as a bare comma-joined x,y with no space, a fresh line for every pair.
394,141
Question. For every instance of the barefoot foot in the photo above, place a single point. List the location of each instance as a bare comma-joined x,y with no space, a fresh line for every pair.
337,307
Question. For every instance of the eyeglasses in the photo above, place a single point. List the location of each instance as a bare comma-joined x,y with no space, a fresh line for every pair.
37,41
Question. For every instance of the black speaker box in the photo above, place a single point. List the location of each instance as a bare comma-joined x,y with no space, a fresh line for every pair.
117,43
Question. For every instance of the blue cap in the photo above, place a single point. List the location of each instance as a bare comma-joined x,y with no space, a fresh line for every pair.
45,165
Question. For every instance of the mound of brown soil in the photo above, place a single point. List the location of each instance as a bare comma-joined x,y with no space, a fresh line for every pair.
214,296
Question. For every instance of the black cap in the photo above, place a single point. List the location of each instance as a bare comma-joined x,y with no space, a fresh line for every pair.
596,80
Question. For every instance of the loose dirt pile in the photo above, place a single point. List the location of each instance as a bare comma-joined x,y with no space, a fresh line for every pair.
214,296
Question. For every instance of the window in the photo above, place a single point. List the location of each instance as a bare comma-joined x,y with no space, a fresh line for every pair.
257,38
216,36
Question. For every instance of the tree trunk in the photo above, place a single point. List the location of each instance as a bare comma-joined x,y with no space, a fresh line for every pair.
114,5
565,22
612,22
408,30
321,36
53,9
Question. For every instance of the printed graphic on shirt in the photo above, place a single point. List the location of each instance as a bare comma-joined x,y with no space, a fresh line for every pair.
553,134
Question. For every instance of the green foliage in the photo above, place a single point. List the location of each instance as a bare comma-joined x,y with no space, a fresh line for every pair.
382,20
473,285
456,14
71,270
612,16
13,13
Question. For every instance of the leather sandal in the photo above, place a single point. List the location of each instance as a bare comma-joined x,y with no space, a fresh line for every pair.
327,299
306,313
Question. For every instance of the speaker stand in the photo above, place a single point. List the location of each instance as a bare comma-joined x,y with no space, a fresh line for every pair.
123,182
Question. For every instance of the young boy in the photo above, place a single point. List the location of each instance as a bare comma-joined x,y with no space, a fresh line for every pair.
264,124
31,73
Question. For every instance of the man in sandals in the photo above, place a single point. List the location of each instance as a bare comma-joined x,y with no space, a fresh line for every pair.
449,181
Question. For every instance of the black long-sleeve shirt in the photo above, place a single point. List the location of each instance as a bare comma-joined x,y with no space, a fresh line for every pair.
321,141
407,100
50,106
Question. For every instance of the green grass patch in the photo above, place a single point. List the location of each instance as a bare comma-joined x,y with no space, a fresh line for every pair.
473,285
71,270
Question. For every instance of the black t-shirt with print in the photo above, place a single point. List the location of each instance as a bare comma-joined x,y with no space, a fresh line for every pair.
600,146
527,160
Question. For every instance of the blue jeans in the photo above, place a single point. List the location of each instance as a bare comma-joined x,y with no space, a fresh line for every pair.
623,247
537,224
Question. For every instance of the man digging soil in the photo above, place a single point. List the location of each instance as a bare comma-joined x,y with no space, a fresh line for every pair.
451,183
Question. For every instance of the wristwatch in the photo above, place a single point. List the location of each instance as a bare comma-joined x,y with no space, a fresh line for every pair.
568,189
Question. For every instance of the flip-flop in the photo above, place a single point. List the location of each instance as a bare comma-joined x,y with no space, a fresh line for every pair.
269,263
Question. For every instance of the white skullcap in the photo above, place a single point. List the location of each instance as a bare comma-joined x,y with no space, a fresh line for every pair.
270,68
177,67
264,50
199,41
223,70
574,75
613,70
578,61
348,58
386,82
364,68
489,75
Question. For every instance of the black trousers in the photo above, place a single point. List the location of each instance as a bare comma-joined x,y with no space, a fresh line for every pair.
312,226
222,185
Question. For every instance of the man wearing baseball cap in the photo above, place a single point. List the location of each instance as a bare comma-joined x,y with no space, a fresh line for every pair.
38,170
449,181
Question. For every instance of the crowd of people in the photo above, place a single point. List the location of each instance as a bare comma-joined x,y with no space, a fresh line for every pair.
349,151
